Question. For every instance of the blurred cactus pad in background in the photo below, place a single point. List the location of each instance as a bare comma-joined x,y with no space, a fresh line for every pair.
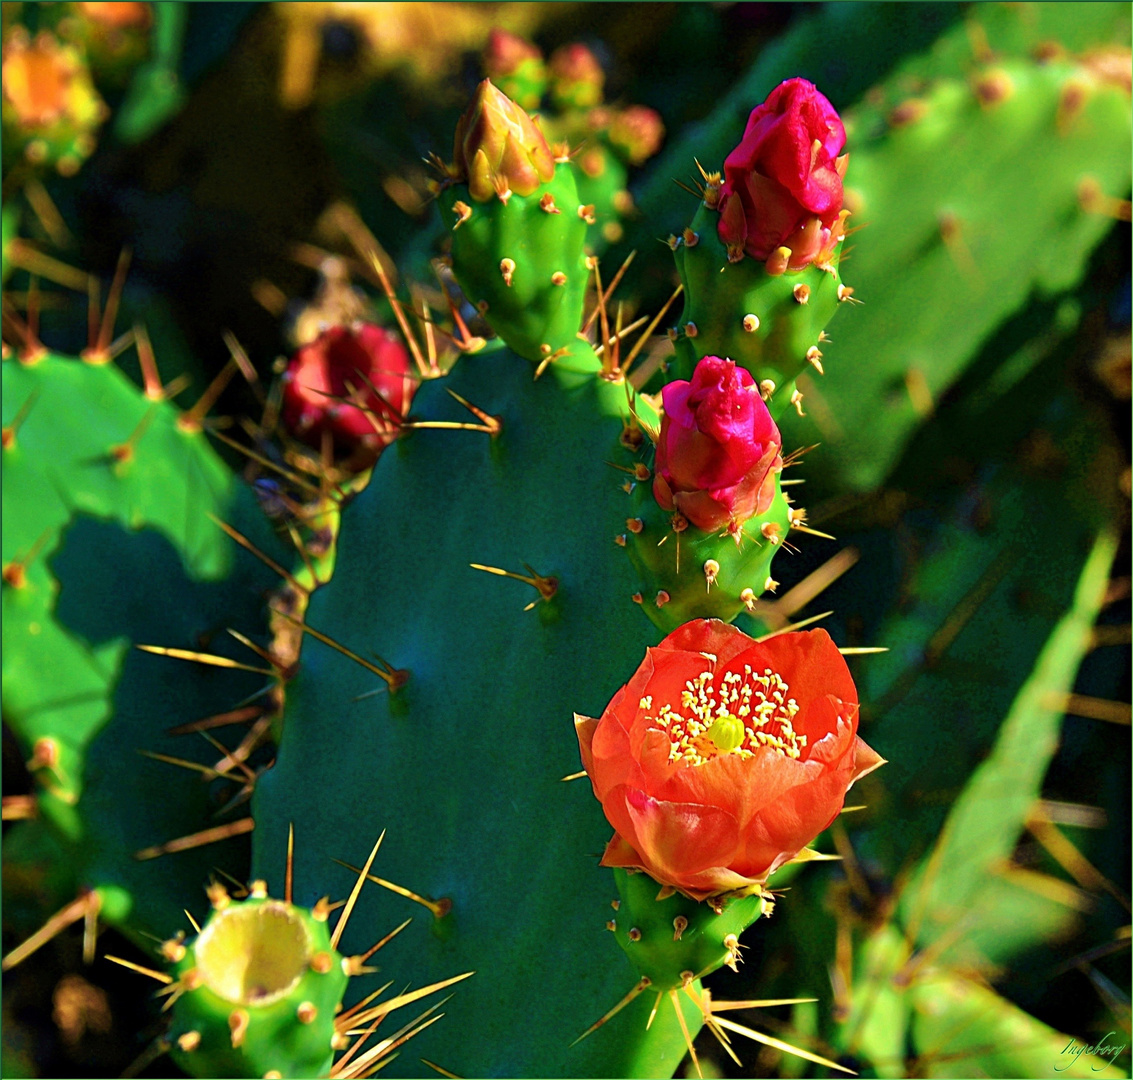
566,539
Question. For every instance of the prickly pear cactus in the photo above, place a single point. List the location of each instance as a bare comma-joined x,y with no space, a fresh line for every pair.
130,482
536,535
578,466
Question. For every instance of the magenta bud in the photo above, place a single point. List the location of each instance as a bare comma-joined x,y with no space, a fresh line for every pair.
783,183
718,451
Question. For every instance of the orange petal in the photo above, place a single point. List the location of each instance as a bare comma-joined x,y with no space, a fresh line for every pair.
584,727
866,759
679,839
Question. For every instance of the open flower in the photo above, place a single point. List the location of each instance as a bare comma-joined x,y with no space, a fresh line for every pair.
783,183
719,450
722,758
359,363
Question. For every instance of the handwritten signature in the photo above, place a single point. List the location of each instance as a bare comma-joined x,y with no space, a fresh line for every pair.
1074,1050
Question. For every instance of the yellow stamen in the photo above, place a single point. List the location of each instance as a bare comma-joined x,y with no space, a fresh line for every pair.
729,712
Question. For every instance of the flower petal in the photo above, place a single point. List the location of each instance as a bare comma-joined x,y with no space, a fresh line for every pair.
866,759
742,786
584,728
675,840
784,827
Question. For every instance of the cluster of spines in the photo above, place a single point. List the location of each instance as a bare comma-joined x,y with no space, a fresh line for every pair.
258,990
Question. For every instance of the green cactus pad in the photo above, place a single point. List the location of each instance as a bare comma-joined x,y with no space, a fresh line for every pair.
476,808
59,462
676,588
601,179
259,987
767,323
977,192
102,551
670,938
521,240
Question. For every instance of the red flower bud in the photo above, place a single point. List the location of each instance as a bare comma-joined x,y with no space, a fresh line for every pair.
722,758
718,451
638,132
507,52
783,183
577,78
499,149
377,367
516,66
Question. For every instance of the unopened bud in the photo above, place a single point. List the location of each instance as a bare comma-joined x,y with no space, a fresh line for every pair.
576,77
499,148
637,132
516,67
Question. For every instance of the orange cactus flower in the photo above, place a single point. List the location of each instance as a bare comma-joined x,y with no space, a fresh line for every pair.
723,757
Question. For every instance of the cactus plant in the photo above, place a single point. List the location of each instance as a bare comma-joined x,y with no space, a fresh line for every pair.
579,580
488,531
136,466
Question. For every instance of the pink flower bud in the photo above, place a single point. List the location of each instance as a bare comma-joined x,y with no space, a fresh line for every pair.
719,450
516,66
638,132
507,52
499,150
577,78
377,368
783,183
